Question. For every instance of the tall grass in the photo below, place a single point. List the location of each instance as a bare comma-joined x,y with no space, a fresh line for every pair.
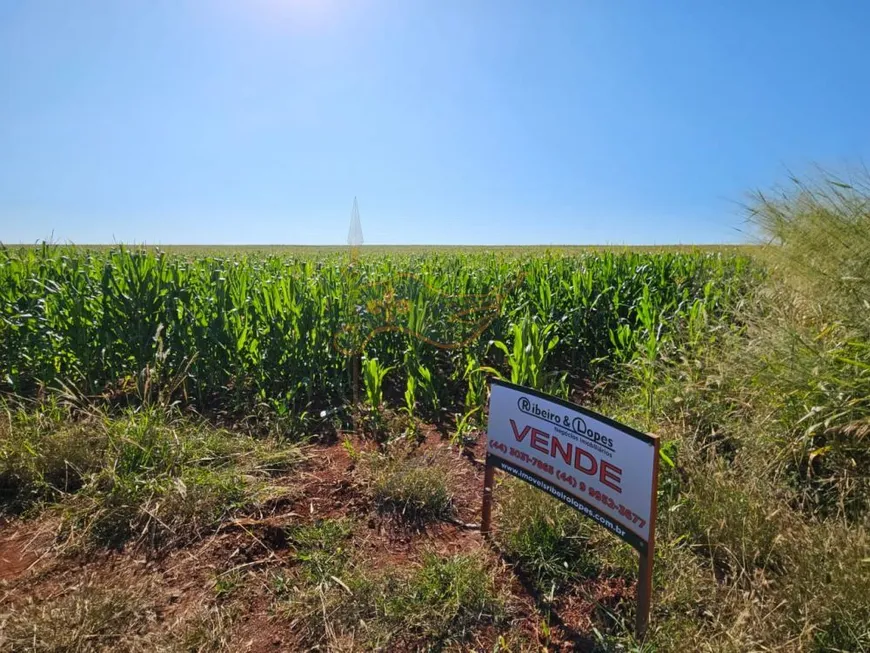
812,339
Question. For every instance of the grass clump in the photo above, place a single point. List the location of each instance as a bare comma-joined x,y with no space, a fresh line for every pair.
831,578
547,541
321,549
44,454
226,584
410,485
98,618
148,475
438,604
736,520
446,597
206,630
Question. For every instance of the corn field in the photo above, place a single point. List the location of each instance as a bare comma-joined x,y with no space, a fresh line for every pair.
233,332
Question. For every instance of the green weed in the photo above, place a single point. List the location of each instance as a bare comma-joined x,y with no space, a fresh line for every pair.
322,549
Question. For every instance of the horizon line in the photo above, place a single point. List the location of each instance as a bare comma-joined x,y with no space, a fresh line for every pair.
368,245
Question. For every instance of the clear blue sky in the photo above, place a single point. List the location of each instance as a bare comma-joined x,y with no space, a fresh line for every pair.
453,121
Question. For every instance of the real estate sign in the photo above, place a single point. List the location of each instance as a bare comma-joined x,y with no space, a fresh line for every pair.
604,469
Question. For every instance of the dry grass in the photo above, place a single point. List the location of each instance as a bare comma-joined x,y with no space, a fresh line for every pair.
95,618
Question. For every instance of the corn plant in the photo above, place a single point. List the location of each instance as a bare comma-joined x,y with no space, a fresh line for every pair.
532,343
649,344
410,395
428,390
465,427
373,381
475,394
241,332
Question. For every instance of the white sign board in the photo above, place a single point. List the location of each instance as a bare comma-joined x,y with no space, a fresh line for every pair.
605,470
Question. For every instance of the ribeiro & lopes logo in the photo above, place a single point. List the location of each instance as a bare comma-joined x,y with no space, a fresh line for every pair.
575,424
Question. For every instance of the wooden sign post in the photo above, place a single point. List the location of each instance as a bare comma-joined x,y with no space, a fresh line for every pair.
603,469
486,516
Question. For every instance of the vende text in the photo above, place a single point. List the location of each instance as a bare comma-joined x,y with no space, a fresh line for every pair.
583,461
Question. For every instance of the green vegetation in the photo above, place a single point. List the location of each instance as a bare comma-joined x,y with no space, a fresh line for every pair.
753,366
765,420
321,549
148,475
248,333
546,540
812,340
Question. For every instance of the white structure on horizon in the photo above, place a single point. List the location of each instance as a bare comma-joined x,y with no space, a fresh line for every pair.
355,234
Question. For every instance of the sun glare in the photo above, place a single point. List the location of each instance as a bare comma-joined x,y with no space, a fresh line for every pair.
307,11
